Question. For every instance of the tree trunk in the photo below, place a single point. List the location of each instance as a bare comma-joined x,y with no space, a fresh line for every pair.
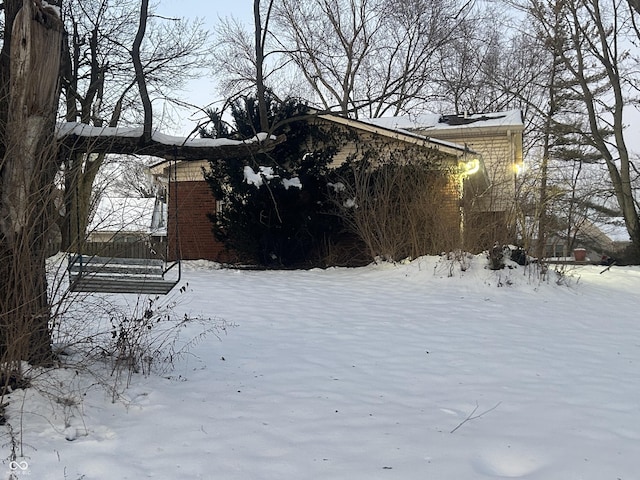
137,64
11,8
260,38
29,167
553,43
78,179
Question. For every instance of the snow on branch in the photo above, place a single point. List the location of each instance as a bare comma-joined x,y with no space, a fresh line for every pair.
121,140
266,173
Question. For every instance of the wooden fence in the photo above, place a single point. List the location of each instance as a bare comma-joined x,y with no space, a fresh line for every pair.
125,249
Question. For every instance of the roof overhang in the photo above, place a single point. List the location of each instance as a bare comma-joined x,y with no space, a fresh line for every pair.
450,148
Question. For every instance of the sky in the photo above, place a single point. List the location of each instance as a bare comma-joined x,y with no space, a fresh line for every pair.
202,92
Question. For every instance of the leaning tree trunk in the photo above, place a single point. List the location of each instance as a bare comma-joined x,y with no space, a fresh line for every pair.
27,179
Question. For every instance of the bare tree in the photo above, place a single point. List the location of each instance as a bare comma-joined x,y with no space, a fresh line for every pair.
598,61
246,61
579,82
101,89
128,176
261,32
368,55
494,63
31,153
330,43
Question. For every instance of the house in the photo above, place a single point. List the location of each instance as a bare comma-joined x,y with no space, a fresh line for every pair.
190,201
485,151
600,239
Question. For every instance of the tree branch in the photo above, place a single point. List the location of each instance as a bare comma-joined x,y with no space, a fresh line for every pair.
471,416
137,64
164,146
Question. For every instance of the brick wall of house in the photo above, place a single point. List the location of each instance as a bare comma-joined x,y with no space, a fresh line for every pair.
194,234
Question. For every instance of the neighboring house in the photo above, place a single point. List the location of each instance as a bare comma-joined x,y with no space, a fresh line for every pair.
118,221
600,239
612,238
485,152
190,201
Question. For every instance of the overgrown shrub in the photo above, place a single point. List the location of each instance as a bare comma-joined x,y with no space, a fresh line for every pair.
141,338
400,203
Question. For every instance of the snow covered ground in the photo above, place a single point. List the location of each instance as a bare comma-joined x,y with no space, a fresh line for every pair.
415,371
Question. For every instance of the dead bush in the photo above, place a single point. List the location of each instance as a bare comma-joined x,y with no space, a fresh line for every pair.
400,209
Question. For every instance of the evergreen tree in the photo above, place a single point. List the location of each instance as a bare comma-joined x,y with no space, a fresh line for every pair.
567,193
274,207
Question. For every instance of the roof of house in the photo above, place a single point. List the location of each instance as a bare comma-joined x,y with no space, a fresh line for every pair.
436,122
614,229
390,130
415,129
387,128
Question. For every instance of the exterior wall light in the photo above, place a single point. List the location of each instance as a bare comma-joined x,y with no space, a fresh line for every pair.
471,167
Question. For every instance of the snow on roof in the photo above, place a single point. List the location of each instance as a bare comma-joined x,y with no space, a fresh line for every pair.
121,214
434,121
390,130
615,229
